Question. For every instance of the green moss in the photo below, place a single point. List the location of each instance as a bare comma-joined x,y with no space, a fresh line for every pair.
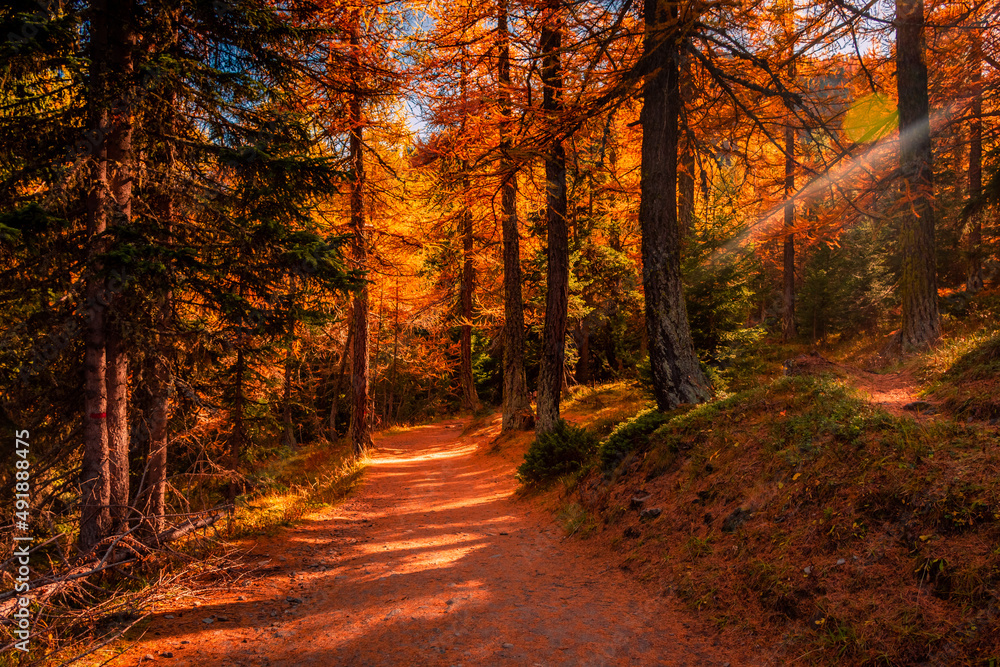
630,435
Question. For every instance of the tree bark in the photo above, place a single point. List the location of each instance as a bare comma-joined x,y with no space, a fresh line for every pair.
974,275
516,406
288,430
685,176
467,282
158,419
95,487
550,372
921,324
238,435
391,392
161,384
118,431
121,167
788,328
470,399
335,406
360,428
677,375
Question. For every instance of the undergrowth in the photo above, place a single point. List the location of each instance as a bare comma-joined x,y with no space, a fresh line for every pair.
282,491
797,511
563,450
290,487
630,435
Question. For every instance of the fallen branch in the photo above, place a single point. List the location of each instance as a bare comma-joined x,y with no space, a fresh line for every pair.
50,585
188,526
133,551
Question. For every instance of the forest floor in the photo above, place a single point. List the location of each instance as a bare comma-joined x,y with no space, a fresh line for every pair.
898,392
435,560
440,558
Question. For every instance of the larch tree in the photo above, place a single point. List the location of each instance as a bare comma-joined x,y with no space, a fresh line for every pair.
360,428
104,470
550,372
516,410
921,321
788,327
470,399
974,272
677,375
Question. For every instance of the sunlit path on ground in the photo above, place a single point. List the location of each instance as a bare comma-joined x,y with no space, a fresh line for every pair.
431,563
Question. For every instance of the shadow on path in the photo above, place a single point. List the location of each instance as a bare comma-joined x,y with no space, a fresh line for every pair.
432,562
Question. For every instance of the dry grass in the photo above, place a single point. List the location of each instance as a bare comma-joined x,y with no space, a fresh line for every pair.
97,612
603,407
826,528
290,488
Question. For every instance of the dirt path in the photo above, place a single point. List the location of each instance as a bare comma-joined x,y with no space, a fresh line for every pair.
433,562
890,391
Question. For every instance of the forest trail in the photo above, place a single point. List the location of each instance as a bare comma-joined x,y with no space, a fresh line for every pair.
890,391
433,561
897,393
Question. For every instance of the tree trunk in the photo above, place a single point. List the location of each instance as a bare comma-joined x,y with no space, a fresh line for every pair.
391,394
118,431
288,429
788,265
335,406
583,371
685,177
373,411
360,428
550,372
788,329
677,375
161,381
344,355
470,400
360,420
974,276
120,177
516,406
95,485
238,435
921,324
158,419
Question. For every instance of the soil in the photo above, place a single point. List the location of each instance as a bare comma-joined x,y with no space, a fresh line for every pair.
434,561
893,391
897,393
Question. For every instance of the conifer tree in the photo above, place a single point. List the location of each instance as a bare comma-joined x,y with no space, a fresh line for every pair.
677,376
551,370
918,282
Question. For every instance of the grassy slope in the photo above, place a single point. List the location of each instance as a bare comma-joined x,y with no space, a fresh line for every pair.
797,512
285,490
288,488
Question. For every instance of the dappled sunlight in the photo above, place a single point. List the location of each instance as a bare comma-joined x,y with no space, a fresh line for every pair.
434,562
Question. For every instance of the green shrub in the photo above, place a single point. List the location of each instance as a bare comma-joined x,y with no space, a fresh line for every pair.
563,450
630,435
